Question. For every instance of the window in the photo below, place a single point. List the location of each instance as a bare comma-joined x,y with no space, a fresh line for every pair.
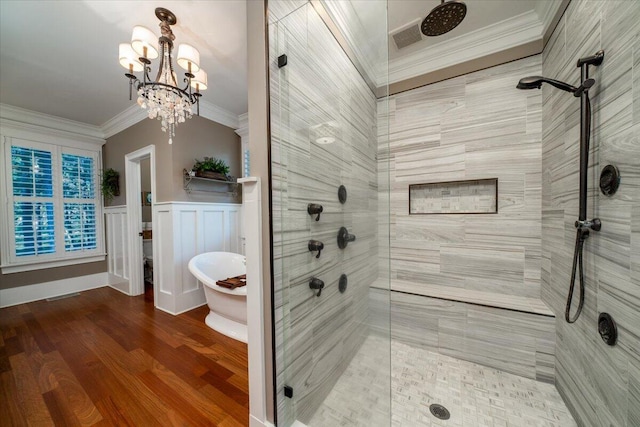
79,202
54,211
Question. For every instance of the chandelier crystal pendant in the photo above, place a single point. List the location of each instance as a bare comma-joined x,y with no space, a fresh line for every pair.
163,98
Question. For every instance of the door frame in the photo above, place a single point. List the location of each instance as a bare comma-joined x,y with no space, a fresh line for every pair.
134,216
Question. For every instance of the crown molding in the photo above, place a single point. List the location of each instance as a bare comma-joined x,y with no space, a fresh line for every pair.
123,120
547,11
243,125
550,13
134,114
521,29
217,114
22,117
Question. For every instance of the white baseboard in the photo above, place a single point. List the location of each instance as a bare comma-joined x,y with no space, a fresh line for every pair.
182,311
55,288
254,422
120,284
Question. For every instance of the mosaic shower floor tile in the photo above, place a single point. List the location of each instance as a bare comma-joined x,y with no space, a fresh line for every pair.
475,395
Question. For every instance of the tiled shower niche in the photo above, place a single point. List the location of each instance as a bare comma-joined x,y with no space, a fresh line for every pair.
454,197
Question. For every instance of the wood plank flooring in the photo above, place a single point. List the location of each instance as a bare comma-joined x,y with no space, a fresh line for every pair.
105,359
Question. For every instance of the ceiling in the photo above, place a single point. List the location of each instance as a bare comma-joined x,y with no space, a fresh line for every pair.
61,57
480,14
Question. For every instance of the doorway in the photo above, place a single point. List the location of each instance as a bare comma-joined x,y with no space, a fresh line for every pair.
141,194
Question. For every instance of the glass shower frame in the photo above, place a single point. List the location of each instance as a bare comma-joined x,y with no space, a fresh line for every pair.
318,93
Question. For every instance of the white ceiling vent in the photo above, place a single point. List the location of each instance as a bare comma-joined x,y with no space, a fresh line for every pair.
407,34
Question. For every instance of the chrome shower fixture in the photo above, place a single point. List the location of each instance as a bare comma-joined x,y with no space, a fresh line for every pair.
444,18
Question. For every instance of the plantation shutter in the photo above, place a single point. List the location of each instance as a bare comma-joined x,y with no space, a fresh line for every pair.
33,203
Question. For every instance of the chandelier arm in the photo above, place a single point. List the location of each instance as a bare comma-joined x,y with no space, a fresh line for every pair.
147,70
132,78
187,86
181,92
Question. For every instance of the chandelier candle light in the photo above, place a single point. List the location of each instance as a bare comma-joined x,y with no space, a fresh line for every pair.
163,98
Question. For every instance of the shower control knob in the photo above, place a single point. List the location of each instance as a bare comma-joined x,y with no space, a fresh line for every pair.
315,209
607,328
316,245
316,284
344,237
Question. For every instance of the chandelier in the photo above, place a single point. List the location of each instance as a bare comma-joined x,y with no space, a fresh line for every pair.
162,97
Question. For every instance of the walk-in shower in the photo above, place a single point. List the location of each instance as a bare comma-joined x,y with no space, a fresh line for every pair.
437,288
582,225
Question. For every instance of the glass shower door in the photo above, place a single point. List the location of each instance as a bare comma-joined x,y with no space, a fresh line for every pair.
331,292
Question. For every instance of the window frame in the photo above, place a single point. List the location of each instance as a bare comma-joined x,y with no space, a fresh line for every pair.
58,143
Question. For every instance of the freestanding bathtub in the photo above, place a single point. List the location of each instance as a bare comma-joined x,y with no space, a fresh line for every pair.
227,307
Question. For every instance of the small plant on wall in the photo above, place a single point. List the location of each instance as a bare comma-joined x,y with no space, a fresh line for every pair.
110,185
212,168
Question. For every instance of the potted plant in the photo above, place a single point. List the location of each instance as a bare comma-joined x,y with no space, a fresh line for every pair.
212,168
110,185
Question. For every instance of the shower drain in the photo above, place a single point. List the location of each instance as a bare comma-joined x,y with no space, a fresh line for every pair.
439,411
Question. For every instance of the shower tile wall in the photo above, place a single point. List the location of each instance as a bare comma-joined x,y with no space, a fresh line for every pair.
600,383
515,342
318,336
472,127
475,126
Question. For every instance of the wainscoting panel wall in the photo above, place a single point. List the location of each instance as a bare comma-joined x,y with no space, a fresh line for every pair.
184,230
601,384
117,238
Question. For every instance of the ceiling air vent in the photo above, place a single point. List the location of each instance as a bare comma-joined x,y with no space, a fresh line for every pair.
407,35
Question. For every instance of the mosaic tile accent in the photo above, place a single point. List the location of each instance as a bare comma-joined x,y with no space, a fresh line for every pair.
474,394
460,197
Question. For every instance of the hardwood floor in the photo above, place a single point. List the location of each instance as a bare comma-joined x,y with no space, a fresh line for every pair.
103,358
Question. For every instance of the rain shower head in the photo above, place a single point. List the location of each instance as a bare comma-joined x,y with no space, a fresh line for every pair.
535,82
444,18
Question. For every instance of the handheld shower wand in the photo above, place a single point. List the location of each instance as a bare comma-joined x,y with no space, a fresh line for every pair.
582,225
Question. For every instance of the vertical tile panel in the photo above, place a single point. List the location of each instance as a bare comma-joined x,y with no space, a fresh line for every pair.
598,382
319,89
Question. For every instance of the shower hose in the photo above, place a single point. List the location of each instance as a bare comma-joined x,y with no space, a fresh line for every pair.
581,236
